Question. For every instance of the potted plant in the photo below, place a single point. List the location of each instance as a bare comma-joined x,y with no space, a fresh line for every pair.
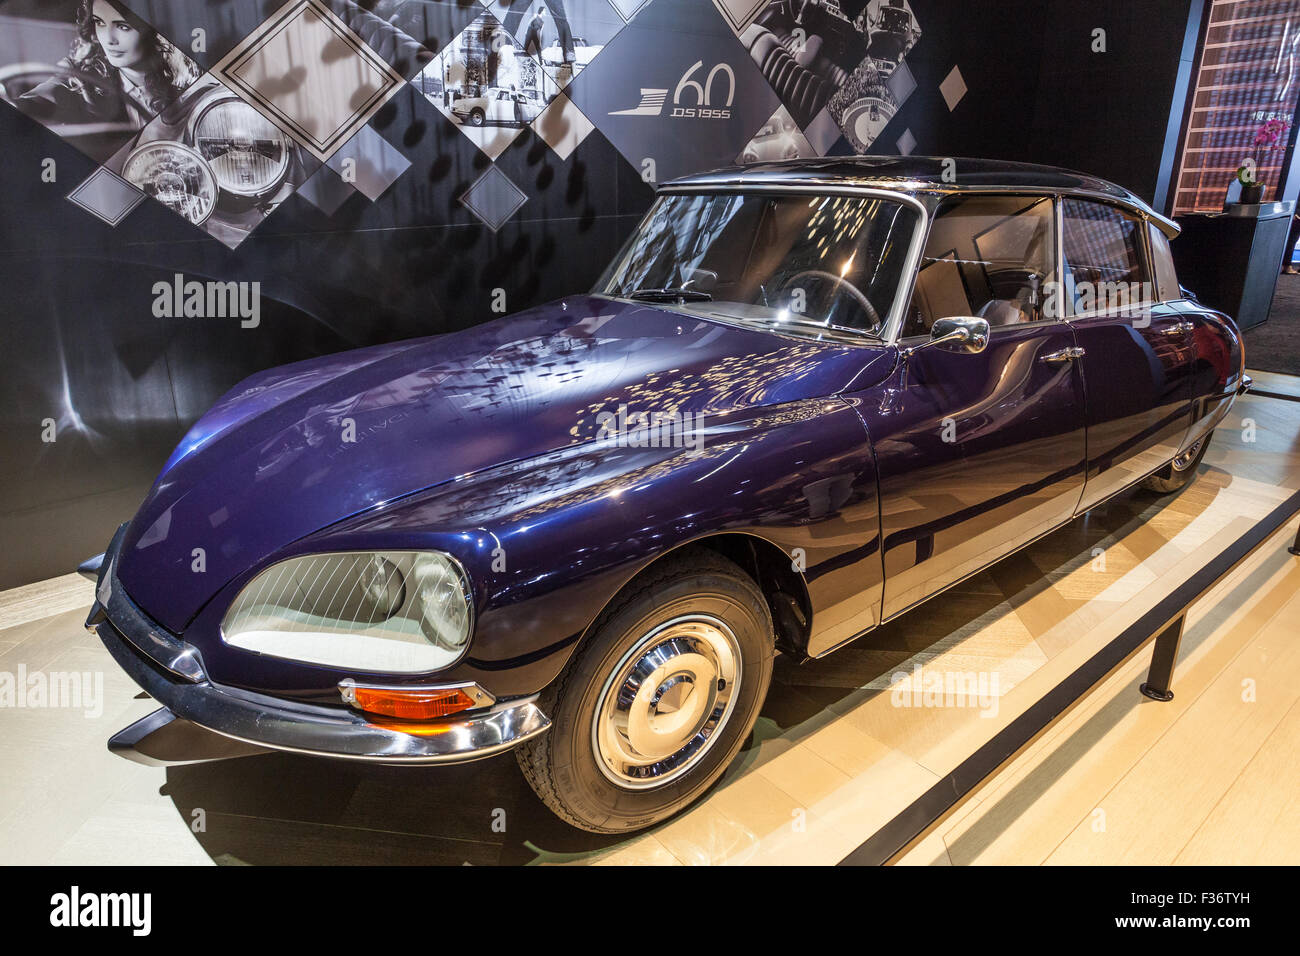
1271,135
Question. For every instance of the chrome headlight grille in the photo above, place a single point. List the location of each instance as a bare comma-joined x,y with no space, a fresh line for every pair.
378,611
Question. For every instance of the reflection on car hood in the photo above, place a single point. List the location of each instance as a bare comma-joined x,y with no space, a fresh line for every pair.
296,449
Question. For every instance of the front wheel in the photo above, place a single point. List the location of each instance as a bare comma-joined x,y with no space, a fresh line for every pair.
659,700
1180,471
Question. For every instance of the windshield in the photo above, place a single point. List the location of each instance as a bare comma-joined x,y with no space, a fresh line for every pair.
796,261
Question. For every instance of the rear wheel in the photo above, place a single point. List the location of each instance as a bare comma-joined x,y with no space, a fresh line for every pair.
660,699
1180,471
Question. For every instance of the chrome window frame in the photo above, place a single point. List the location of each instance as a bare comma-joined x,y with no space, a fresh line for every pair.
1144,223
911,193
1155,279
1055,275
892,323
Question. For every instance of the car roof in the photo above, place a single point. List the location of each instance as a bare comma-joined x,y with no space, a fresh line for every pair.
925,174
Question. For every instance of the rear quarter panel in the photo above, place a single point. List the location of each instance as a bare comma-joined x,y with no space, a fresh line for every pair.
1218,363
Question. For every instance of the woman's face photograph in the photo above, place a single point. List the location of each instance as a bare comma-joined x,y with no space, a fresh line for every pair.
121,42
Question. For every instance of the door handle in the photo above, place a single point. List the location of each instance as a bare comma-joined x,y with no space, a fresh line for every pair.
1064,356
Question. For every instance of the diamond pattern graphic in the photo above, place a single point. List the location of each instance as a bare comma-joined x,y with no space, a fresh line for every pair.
627,9
493,198
778,139
487,86
739,14
831,57
953,88
369,162
326,191
216,161
106,195
823,133
311,74
562,126
901,83
94,112
564,36
675,93
906,143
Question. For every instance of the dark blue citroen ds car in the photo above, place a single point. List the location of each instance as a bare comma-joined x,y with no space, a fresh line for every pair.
804,397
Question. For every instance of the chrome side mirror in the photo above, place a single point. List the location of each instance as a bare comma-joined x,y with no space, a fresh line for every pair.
962,334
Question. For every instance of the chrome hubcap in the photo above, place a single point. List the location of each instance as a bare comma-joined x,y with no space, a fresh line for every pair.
1184,461
661,709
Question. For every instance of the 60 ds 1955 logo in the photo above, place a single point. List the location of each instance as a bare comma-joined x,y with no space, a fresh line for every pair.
653,101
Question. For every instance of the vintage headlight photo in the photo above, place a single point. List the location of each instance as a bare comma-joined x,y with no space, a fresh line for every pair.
248,154
176,176
400,612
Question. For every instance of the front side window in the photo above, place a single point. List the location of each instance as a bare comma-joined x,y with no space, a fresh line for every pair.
987,256
797,262
1105,265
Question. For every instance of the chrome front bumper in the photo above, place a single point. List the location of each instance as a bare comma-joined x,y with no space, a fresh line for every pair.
172,673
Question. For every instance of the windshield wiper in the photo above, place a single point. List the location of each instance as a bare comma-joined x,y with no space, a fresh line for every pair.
670,295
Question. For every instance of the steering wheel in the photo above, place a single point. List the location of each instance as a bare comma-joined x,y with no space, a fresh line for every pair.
844,285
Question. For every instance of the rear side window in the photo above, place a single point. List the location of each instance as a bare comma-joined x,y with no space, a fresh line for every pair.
1162,262
987,256
1105,266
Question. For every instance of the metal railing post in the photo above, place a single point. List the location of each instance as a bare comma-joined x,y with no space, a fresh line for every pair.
1160,677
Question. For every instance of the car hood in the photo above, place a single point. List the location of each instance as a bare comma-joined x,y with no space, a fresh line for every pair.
296,449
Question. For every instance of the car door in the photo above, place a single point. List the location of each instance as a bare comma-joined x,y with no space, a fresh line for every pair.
978,454
1137,349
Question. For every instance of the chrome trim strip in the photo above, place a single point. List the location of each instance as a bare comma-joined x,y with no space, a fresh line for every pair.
90,568
149,655
1168,226
318,730
163,648
910,186
1219,415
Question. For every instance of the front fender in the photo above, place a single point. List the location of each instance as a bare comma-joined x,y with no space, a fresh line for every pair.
548,542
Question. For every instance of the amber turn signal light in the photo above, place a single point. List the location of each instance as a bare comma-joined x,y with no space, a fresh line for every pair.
415,703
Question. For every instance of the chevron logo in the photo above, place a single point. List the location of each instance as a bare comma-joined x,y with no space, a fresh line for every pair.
652,104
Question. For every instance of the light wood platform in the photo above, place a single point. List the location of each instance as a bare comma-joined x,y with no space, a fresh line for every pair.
1208,778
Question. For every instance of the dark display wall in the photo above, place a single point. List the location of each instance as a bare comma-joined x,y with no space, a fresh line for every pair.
366,173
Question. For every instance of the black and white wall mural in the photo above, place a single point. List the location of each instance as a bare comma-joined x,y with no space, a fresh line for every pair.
384,169
837,66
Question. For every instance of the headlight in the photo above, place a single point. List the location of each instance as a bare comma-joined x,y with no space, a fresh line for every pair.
249,154
392,612
176,176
